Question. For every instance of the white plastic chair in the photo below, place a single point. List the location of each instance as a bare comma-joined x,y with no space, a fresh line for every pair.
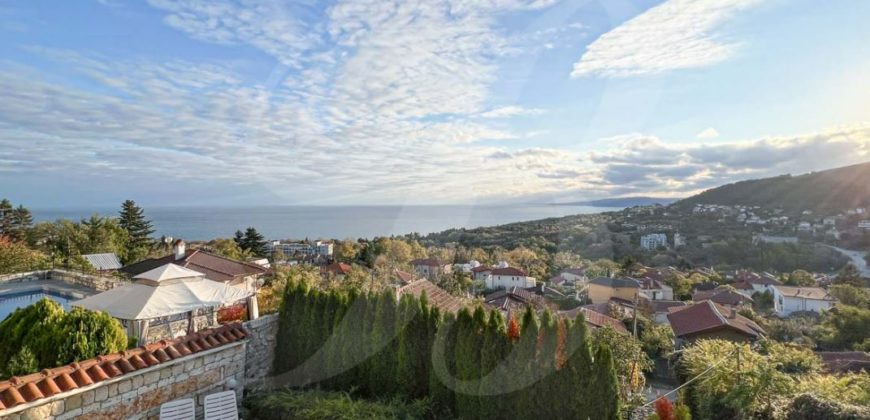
178,410
221,406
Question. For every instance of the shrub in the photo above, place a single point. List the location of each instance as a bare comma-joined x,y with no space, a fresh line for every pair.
52,337
229,314
321,405
811,407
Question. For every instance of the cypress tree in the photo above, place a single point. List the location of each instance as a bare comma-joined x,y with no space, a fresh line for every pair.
6,217
579,369
442,341
525,369
544,388
493,352
381,376
606,388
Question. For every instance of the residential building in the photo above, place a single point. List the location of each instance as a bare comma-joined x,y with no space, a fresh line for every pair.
466,267
759,282
509,277
659,309
595,319
480,273
790,299
602,289
574,275
404,277
214,267
864,224
708,320
290,249
655,289
430,267
653,241
679,240
559,281
725,297
335,269
513,301
436,296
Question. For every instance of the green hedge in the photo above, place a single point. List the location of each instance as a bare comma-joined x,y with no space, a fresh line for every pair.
466,365
321,405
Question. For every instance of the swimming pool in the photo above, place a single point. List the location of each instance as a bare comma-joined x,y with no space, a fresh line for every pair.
11,301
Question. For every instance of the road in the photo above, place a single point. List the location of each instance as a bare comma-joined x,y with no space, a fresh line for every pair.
857,258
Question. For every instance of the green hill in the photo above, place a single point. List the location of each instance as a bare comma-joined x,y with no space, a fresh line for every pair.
830,191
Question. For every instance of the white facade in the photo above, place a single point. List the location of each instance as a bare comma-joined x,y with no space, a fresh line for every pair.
573,277
653,241
785,303
864,224
499,281
293,248
679,240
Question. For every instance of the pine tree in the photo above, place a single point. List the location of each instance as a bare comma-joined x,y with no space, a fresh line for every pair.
239,239
139,230
6,220
22,221
254,242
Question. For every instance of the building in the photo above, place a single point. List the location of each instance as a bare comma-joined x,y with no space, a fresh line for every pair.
335,269
864,224
679,240
659,309
430,267
290,249
759,282
655,289
653,241
708,320
436,296
481,272
595,320
724,297
514,301
574,275
790,299
404,277
214,267
602,289
509,277
103,262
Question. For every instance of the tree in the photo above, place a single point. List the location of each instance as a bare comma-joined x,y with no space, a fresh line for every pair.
230,249
346,251
846,329
252,241
15,257
849,275
847,294
131,218
606,392
6,220
800,278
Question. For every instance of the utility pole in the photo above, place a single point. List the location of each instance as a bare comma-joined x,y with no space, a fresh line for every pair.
634,317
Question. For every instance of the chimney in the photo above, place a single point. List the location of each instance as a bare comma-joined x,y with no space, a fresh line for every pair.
178,249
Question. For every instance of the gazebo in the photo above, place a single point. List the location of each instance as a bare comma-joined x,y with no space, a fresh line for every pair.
169,300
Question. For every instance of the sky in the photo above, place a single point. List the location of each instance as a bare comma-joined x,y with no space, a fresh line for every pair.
254,102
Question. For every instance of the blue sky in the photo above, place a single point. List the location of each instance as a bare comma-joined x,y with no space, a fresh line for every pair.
435,101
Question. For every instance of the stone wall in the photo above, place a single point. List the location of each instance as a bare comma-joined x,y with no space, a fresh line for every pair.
139,394
261,349
98,283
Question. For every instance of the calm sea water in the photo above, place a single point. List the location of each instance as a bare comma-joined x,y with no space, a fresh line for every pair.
280,222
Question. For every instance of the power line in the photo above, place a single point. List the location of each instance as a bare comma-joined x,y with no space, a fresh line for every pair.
690,380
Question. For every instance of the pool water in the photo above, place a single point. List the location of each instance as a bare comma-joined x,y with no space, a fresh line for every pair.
12,301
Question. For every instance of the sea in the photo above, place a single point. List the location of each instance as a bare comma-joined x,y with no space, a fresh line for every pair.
327,222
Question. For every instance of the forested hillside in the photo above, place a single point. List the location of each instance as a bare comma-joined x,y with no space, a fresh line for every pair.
830,191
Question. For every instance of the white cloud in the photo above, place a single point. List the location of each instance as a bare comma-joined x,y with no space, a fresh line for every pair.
676,34
511,111
707,133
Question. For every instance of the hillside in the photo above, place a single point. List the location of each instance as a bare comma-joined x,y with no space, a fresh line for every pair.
622,202
830,191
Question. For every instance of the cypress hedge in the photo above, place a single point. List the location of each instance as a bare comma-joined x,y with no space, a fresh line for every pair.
465,365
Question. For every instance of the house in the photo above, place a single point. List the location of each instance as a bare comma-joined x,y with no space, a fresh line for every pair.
404,277
725,297
290,249
864,224
759,282
430,267
559,281
515,300
508,277
437,297
708,320
103,262
335,269
614,308
480,273
595,319
214,267
653,241
790,299
655,289
679,241
574,275
466,267
659,309
602,289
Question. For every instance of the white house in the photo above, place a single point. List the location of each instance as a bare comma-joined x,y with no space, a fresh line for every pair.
430,267
574,275
507,277
789,299
656,290
864,224
653,241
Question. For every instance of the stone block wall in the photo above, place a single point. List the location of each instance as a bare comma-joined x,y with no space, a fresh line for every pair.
260,350
139,394
98,283
22,277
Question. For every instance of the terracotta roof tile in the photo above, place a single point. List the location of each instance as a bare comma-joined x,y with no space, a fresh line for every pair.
24,389
215,267
509,271
596,319
336,269
436,296
707,316
430,262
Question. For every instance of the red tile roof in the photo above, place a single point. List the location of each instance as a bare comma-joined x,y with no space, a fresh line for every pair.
436,296
722,297
707,316
509,271
336,268
596,319
24,389
404,276
481,268
215,267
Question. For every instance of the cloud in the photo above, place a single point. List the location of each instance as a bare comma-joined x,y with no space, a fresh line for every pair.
511,111
707,133
676,34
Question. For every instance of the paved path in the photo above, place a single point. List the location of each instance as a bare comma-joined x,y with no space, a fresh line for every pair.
857,258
